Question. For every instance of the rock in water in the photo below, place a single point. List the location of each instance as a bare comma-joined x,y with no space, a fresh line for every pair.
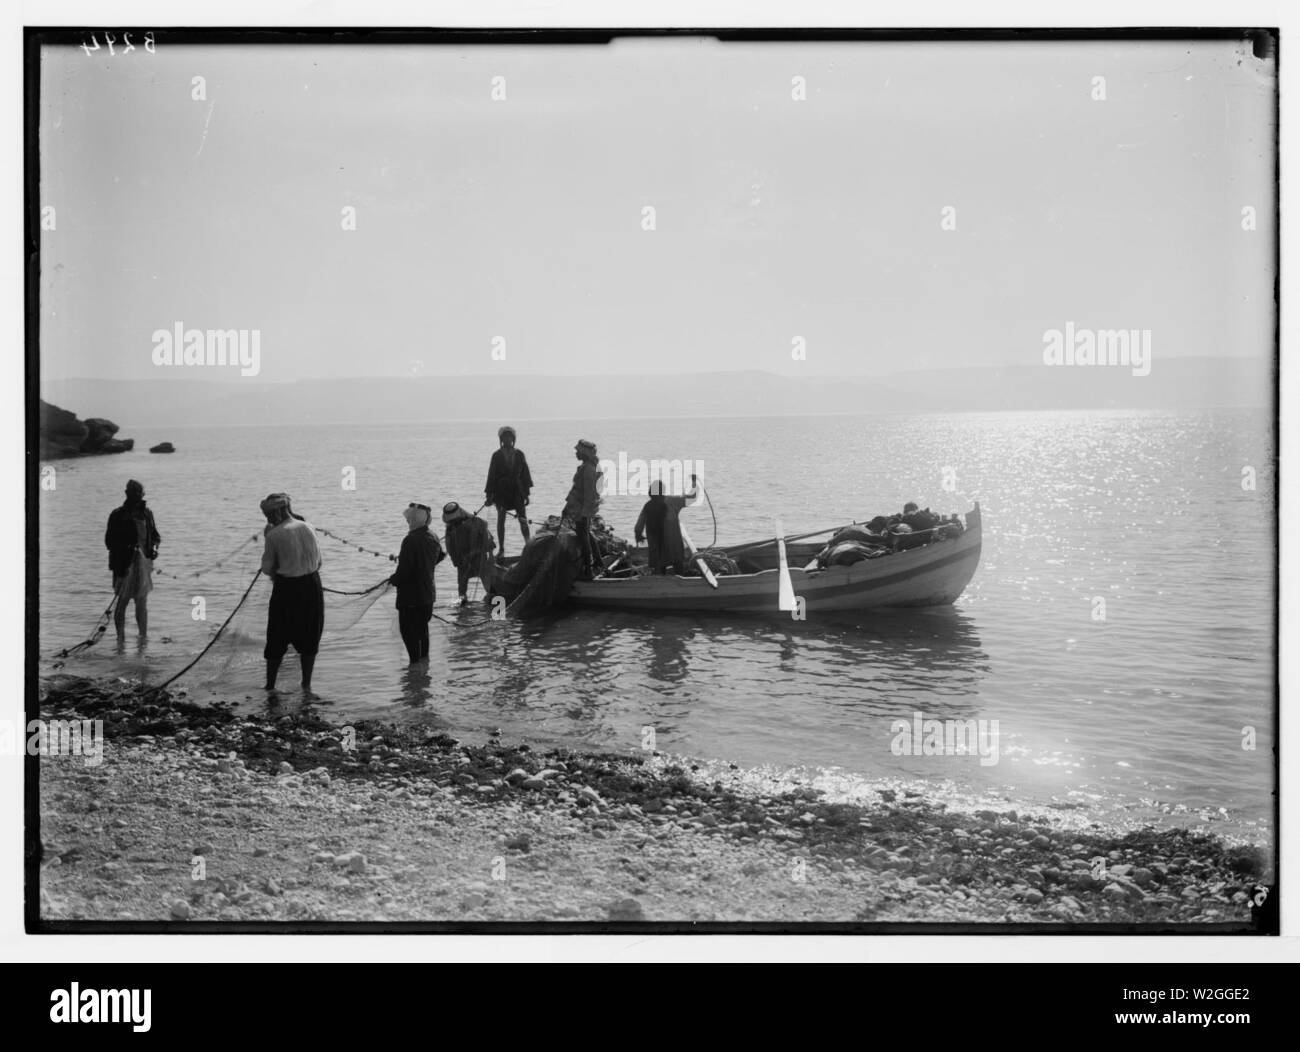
61,432
63,435
162,447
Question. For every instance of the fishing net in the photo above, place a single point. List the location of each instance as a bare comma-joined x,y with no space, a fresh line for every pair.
552,561
544,575
237,648
715,558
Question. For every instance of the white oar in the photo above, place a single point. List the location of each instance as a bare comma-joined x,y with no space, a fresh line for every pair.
785,601
704,567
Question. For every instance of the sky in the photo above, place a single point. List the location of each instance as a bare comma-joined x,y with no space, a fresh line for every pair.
517,223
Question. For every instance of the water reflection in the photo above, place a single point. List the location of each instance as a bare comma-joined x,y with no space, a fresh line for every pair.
417,683
669,646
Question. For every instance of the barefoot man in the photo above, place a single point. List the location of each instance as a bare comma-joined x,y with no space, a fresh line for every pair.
132,541
509,483
297,614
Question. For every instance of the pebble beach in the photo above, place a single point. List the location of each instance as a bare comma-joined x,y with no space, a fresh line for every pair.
199,815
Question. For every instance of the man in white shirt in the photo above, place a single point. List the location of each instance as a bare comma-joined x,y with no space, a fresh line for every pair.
296,616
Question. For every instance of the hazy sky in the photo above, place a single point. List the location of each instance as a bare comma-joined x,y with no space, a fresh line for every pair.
775,218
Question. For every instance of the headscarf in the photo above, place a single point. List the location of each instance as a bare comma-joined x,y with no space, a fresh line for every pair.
451,512
587,449
506,430
657,488
417,516
273,502
134,490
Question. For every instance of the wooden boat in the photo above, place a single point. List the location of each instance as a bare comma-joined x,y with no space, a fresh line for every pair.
933,574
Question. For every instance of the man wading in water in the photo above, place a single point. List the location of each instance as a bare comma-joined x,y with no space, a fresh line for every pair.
296,617
470,546
419,556
508,485
132,541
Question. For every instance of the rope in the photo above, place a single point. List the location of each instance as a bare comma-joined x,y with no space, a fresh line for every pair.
372,588
101,626
243,599
353,544
446,621
214,566
713,543
464,624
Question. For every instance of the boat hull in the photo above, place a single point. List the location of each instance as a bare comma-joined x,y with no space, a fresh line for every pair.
932,575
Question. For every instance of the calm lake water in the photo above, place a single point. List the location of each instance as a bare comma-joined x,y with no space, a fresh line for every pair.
1137,714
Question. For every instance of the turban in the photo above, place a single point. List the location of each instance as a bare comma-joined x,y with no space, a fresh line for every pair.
417,515
274,501
507,430
451,511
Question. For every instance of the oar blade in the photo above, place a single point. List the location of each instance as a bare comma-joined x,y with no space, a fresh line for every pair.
785,597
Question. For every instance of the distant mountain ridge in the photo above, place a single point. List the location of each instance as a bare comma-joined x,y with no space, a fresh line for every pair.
1179,383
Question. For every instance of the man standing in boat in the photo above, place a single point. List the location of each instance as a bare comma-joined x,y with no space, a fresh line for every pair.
581,505
509,484
659,524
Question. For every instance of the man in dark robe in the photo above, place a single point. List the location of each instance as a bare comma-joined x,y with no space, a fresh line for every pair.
660,526
509,484
416,560
132,541
469,543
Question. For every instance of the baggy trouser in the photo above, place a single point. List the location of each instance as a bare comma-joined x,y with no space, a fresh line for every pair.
586,546
413,623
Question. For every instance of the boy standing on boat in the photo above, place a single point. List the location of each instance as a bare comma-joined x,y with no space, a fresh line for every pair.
469,543
583,501
508,485
659,524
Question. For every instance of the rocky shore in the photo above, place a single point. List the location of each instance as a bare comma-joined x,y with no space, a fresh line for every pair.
63,435
199,814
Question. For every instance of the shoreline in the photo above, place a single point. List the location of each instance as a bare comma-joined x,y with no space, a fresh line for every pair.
209,814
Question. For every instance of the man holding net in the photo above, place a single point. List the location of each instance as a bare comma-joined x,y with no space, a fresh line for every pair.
296,617
417,559
132,540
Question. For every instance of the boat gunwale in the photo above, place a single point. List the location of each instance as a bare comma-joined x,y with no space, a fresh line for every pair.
970,540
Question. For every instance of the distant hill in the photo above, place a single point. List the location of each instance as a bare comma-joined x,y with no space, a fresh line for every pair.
1172,384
